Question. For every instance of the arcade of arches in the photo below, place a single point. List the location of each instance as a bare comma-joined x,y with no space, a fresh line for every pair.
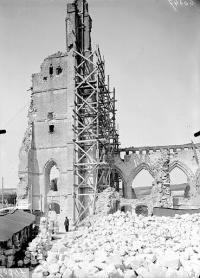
136,170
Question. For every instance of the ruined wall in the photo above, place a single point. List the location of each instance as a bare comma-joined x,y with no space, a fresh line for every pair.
107,202
46,142
161,193
135,159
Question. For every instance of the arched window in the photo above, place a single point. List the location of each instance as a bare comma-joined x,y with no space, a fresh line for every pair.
178,181
54,175
58,70
51,175
142,184
54,207
51,69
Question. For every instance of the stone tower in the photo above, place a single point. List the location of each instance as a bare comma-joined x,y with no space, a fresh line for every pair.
48,140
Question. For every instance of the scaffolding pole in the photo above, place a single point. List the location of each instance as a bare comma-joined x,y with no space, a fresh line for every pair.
95,136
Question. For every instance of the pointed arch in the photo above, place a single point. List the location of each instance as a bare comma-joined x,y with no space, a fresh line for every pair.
47,171
124,181
49,164
138,169
182,166
121,174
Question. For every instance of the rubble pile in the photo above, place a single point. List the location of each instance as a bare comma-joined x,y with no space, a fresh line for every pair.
36,252
107,202
37,249
122,245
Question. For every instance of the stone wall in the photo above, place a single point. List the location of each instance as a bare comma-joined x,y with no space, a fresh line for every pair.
148,158
161,193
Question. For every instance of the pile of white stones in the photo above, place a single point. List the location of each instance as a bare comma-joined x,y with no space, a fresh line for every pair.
37,249
124,245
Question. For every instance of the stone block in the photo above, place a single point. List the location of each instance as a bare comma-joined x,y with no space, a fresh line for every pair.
68,273
69,263
116,261
62,250
184,256
51,260
53,268
157,271
171,260
62,269
132,263
151,258
112,271
79,273
9,252
130,274
39,268
100,256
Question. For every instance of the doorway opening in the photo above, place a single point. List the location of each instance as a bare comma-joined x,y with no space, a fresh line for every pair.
54,207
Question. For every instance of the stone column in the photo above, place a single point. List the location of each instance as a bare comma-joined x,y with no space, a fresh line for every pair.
128,190
161,192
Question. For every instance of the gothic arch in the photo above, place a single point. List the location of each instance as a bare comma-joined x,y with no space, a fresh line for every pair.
138,169
49,164
46,171
121,174
182,166
55,208
124,180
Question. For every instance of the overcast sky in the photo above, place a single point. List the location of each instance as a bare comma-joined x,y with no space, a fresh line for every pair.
152,53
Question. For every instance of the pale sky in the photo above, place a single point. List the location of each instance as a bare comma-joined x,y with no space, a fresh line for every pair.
152,55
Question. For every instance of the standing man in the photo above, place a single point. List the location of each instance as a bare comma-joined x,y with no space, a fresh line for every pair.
66,223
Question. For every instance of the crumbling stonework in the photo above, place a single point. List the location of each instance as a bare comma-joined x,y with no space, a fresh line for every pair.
161,193
107,202
148,158
23,191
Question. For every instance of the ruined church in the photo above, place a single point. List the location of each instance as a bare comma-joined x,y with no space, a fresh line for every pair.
71,128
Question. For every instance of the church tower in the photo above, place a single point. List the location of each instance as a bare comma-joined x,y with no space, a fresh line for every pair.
46,154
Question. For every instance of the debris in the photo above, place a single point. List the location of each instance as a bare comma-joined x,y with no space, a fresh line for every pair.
126,245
